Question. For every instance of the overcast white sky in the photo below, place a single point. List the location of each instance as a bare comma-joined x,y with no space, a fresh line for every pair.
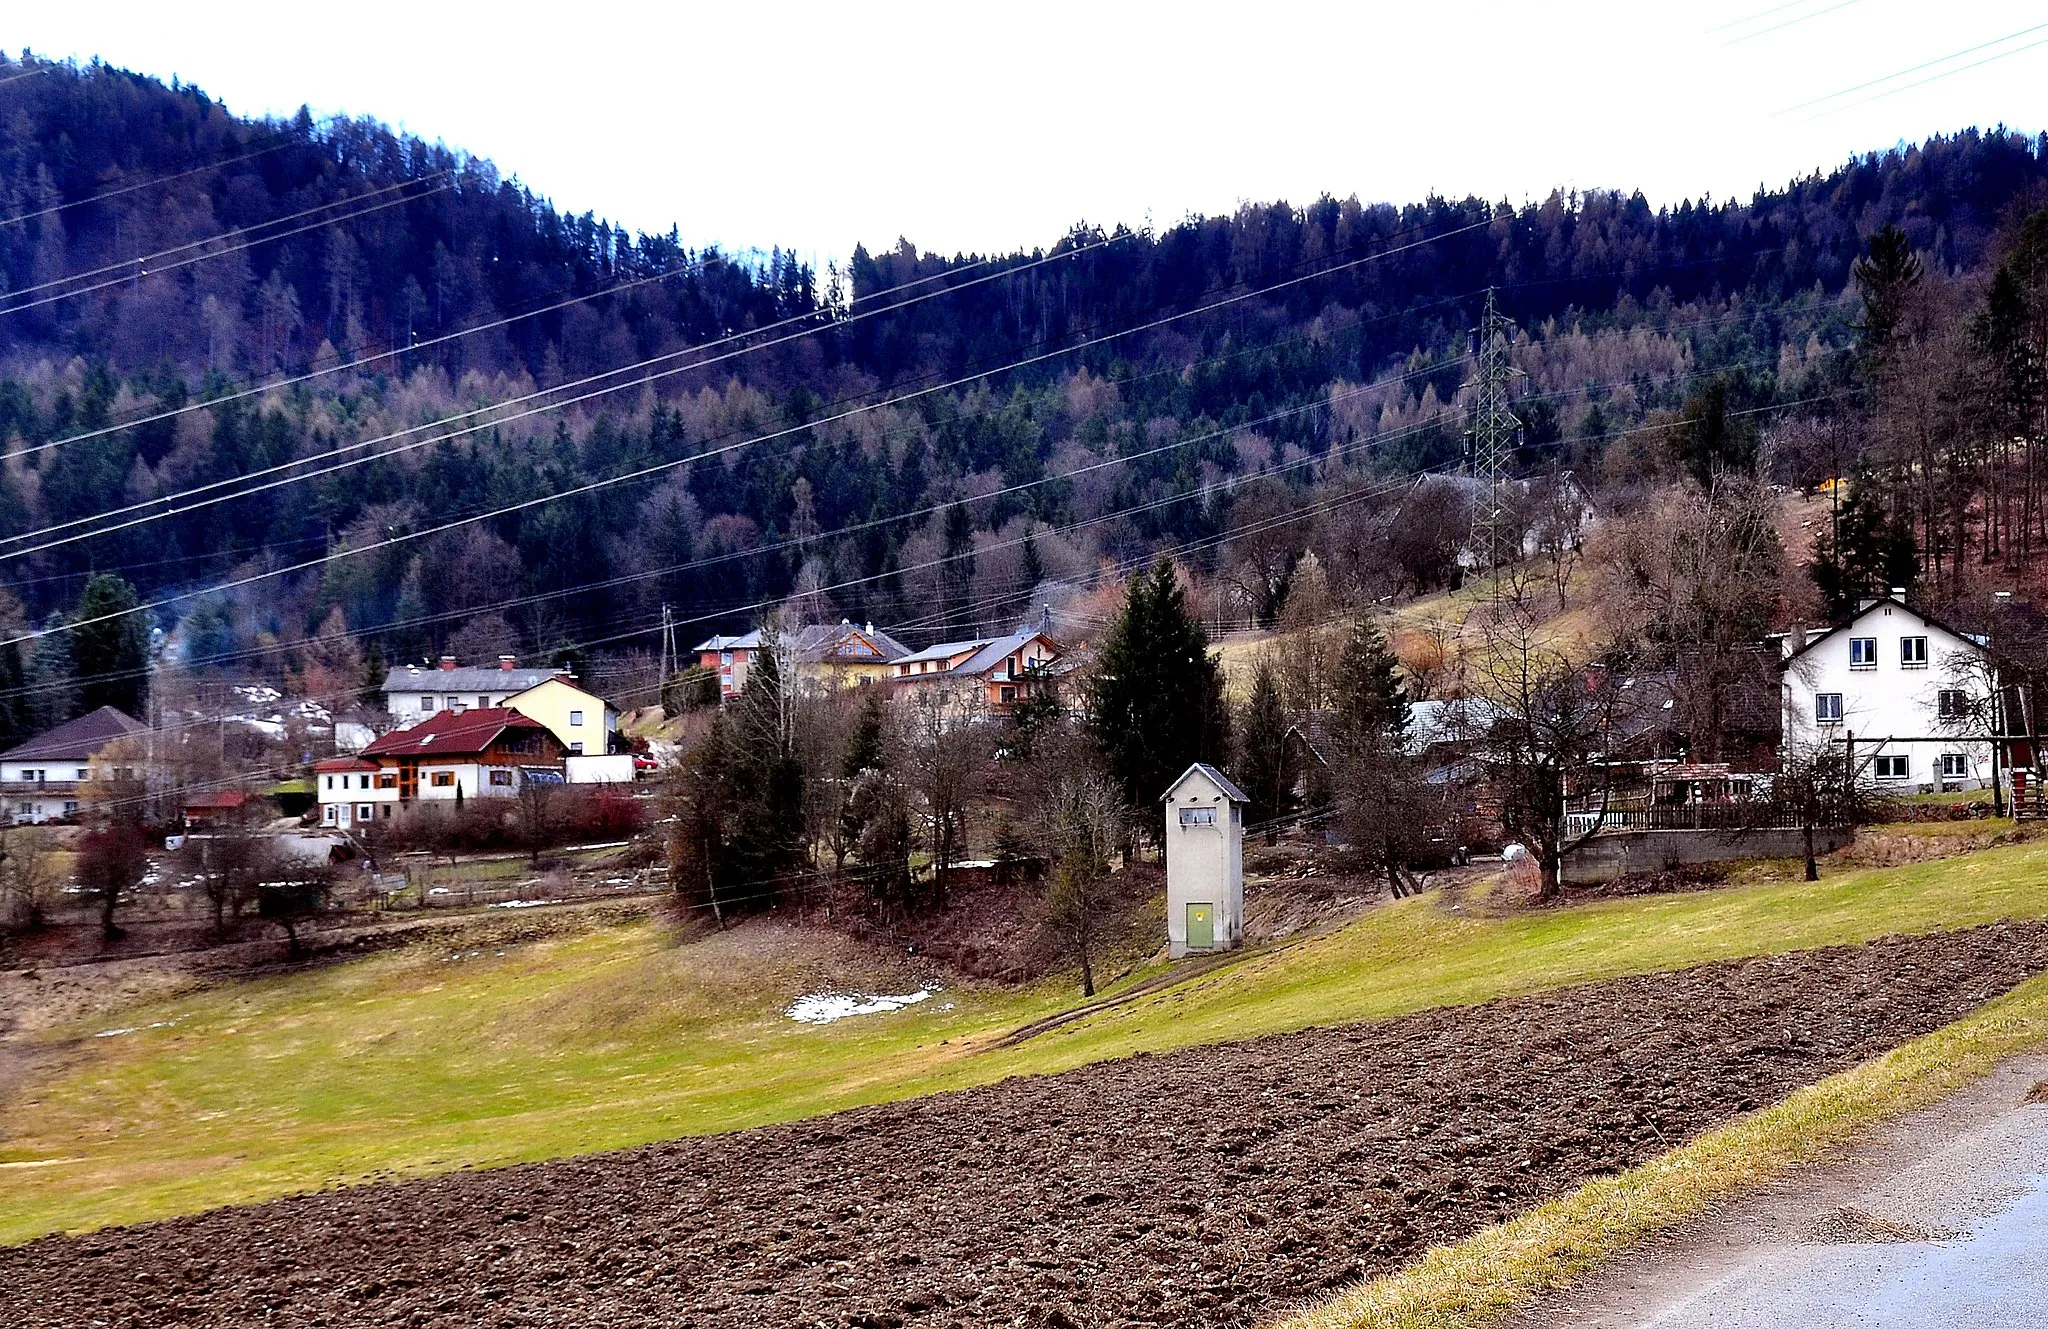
974,127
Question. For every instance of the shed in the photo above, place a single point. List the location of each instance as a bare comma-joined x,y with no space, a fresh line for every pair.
1204,862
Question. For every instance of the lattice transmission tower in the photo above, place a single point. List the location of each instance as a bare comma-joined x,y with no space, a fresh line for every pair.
1493,434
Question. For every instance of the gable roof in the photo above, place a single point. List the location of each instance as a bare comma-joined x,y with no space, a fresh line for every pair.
746,641
512,702
1218,778
815,641
474,680
1969,639
79,739
453,733
1001,648
945,650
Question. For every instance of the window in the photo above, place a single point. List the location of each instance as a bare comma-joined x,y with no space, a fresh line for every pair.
387,812
443,779
70,807
362,782
330,782
388,780
454,703
1863,652
1951,704
576,718
1198,816
426,703
1955,766
501,777
1894,768
1913,652
84,774
577,747
483,703
364,812
1006,694
1827,708
332,811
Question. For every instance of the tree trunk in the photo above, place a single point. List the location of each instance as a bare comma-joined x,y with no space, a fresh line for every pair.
109,901
1812,865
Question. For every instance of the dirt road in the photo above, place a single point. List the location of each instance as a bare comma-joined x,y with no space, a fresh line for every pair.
1211,1187
1938,1222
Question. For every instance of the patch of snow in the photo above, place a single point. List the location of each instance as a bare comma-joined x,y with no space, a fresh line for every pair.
440,890
521,904
825,1007
113,1033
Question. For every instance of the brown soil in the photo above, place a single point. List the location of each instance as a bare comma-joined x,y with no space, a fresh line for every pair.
1216,1186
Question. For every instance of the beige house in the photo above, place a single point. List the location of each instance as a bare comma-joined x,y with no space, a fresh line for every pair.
1204,862
584,721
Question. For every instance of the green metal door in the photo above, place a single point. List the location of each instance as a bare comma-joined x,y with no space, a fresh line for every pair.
1201,927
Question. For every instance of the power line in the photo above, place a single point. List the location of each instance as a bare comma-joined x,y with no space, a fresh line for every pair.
1788,23
139,265
118,191
1914,69
812,318
657,468
698,266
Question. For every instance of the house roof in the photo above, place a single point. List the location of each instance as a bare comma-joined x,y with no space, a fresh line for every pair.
453,733
220,800
746,641
346,763
1218,778
1968,638
815,641
512,702
79,739
998,650
945,650
420,678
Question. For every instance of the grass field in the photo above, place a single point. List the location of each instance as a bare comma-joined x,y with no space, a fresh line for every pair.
416,1063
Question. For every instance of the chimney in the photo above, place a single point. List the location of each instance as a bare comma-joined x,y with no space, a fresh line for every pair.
447,662
1798,638
507,661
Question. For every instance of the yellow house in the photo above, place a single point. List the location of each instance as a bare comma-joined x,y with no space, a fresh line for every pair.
584,721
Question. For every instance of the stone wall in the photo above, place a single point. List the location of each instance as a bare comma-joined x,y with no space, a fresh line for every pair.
1607,856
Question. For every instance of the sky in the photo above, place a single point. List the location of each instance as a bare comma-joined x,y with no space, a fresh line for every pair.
996,127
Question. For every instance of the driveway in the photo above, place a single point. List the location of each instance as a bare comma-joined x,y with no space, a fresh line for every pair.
1939,1222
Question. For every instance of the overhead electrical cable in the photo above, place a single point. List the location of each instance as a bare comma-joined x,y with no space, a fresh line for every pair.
119,190
173,507
816,322
136,268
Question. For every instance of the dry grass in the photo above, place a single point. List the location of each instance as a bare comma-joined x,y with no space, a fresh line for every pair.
1480,1281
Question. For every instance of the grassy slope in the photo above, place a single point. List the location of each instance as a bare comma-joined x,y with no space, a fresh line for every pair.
405,1064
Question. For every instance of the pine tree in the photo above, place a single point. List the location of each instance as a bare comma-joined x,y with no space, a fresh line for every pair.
1371,706
1888,276
110,649
1155,704
1265,757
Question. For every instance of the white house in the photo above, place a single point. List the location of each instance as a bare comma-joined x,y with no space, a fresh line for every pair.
48,776
450,756
1204,862
1912,694
412,693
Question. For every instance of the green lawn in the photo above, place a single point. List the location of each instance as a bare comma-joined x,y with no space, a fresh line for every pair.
416,1063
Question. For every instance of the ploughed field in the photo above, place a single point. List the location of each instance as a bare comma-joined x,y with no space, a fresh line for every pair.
1217,1186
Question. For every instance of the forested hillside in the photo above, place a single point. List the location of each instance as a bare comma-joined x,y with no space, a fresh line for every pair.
919,440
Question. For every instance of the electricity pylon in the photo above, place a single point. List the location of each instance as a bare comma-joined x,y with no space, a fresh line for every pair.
1493,433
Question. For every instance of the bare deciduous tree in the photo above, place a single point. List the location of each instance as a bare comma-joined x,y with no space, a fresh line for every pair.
1547,734
1086,817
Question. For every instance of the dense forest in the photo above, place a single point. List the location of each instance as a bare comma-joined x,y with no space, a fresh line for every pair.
317,349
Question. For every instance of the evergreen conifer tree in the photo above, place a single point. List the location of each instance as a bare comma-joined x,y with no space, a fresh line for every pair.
1265,762
1155,704
110,657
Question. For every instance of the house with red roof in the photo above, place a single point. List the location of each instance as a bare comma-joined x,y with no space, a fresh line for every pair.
489,752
